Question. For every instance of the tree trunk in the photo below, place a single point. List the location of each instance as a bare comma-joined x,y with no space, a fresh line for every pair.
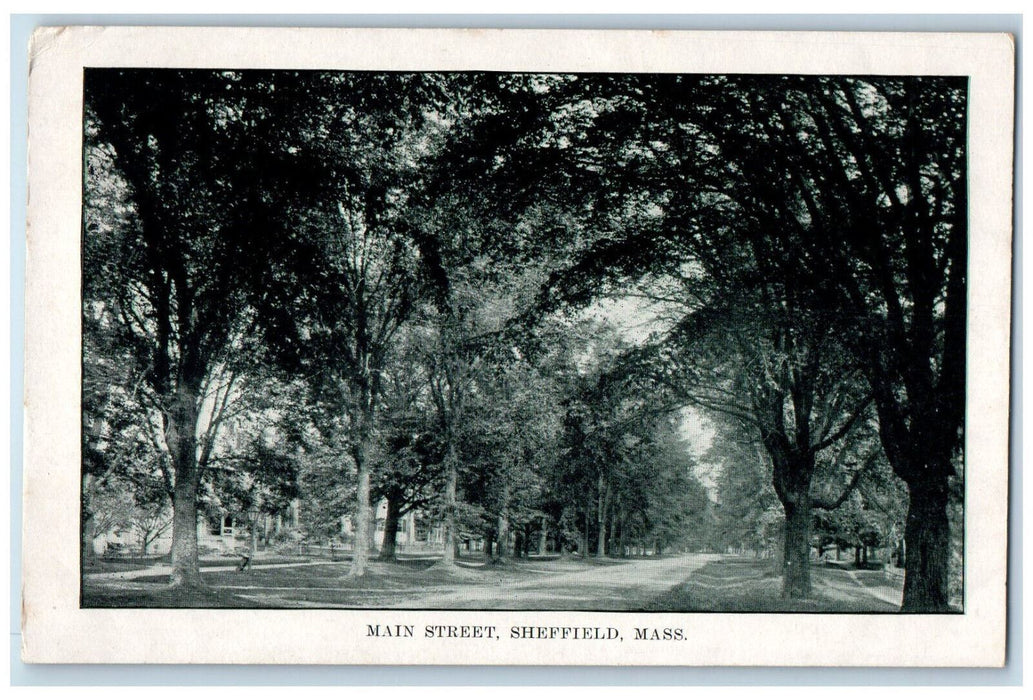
503,535
543,537
360,552
502,527
600,547
608,549
919,442
584,538
796,568
391,520
186,571
927,549
451,538
253,535
489,540
89,531
792,471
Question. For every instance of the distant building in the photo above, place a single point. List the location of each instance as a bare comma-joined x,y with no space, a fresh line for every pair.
225,533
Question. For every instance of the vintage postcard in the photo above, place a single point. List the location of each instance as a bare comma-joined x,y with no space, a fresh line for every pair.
517,347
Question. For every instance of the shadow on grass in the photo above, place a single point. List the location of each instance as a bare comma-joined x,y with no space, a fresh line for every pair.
104,566
753,585
385,584
165,597
281,587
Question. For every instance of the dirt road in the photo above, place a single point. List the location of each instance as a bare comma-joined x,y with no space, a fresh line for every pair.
624,586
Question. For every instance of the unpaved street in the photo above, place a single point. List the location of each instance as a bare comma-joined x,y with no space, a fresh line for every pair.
625,586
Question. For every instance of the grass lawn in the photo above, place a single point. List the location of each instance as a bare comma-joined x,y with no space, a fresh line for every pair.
103,566
138,563
161,596
320,583
752,585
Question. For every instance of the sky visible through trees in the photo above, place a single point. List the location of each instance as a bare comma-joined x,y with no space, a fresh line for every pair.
593,316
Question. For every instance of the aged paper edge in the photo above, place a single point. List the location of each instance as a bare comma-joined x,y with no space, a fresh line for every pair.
56,630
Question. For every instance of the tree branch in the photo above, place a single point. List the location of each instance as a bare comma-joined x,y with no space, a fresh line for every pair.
826,504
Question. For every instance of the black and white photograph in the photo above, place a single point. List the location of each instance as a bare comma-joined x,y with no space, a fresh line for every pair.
532,341
546,341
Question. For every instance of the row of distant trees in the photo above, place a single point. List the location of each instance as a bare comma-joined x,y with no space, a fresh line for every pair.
544,462
329,262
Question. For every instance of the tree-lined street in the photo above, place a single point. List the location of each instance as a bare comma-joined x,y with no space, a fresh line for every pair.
434,328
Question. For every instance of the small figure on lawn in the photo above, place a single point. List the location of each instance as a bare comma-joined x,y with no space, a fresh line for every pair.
245,562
